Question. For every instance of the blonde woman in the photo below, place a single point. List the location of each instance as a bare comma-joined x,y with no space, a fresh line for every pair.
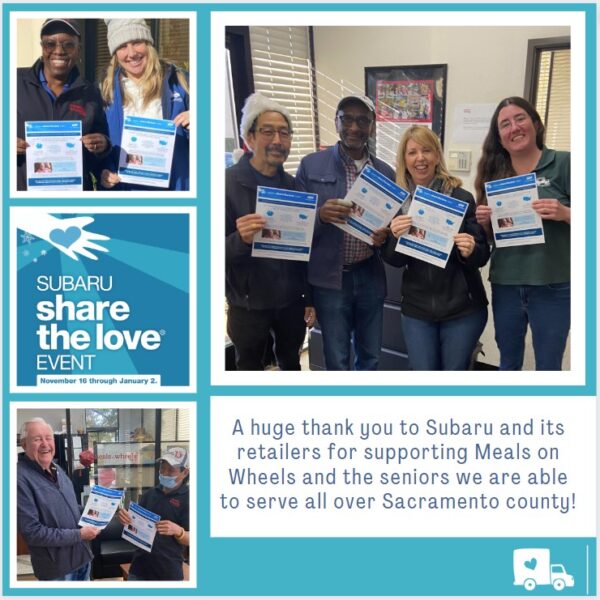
138,83
444,311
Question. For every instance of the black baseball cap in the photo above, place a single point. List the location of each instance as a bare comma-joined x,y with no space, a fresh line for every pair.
52,26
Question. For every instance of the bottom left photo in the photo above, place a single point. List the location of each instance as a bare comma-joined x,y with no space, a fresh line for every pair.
103,495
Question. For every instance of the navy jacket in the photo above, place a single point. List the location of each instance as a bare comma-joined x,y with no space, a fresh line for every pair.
80,102
323,173
47,517
256,283
174,100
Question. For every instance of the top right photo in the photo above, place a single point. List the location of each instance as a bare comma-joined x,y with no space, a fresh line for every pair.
403,208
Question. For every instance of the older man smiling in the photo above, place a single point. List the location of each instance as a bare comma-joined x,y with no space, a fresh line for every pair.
48,512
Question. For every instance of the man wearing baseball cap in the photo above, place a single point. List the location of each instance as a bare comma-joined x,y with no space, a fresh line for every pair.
53,90
170,500
346,275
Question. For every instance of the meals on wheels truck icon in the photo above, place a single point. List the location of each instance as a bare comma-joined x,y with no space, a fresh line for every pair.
532,568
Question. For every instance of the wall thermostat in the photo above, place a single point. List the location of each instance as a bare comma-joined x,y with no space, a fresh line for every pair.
459,160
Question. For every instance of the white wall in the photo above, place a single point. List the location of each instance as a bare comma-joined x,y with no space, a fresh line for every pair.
485,64
53,417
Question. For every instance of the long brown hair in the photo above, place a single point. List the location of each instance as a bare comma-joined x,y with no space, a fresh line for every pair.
425,137
495,161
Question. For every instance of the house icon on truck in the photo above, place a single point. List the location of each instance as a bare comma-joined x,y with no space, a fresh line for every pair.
532,567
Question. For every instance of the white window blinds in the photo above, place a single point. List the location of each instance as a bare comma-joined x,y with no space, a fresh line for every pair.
283,71
175,424
553,101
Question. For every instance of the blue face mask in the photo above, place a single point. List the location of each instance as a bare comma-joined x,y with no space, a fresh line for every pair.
166,481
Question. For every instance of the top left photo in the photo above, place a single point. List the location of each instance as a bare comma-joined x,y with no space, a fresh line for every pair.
101,105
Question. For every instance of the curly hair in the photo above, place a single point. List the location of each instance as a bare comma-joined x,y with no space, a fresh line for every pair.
495,161
425,137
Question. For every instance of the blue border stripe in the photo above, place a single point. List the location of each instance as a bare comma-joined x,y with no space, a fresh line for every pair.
313,566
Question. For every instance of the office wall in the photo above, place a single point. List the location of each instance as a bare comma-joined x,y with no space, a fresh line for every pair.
485,64
28,41
52,416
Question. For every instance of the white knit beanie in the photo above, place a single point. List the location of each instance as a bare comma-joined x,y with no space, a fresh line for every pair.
121,31
255,105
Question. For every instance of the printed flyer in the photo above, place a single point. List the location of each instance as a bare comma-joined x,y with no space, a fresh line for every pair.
290,221
101,506
436,219
514,222
142,529
147,151
54,156
375,201
101,301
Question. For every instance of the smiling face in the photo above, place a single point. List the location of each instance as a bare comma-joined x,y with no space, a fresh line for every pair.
516,130
421,161
133,58
354,124
269,149
39,444
60,53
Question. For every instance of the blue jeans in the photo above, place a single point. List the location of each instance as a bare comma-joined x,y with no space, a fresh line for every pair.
443,345
81,574
546,308
352,315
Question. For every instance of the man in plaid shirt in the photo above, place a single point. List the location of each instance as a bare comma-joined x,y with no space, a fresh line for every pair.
346,274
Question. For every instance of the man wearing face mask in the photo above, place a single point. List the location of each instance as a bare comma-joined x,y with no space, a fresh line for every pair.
170,500
346,275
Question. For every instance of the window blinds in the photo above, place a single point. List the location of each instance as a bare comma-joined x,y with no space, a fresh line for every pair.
553,101
282,71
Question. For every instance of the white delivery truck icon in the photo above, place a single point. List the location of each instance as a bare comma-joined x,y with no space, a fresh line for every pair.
532,568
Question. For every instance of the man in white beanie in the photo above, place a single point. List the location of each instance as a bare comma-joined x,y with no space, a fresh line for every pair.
265,296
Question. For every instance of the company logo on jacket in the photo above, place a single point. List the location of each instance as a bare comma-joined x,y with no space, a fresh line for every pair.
543,182
176,97
78,109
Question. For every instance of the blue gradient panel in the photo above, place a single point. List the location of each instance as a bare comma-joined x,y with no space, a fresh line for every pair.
150,274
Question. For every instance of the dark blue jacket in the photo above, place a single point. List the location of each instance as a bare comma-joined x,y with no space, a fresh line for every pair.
47,517
80,102
174,100
323,173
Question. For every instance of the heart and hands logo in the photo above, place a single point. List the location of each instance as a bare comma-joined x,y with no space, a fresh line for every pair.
65,237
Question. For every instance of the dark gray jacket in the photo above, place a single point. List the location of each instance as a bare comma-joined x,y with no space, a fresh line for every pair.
81,102
47,517
256,283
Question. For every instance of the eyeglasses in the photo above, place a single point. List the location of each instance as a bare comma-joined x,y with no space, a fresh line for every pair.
362,121
50,45
269,132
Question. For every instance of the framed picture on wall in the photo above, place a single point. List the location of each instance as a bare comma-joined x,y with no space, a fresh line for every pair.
405,96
